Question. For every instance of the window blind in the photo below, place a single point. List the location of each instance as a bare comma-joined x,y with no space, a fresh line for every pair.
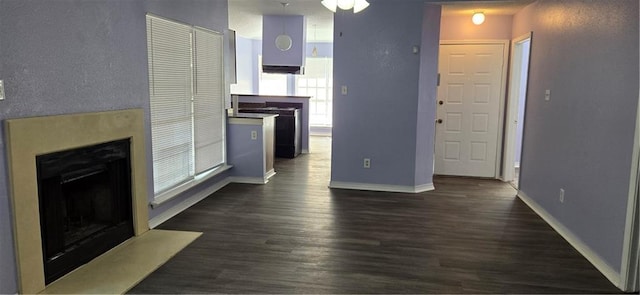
186,86
208,103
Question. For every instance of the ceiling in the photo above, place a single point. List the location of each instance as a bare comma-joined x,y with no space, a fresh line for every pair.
245,16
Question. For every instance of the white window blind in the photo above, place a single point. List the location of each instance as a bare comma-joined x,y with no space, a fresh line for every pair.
208,100
186,85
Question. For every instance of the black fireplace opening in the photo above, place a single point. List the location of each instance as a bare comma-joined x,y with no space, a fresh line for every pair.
85,204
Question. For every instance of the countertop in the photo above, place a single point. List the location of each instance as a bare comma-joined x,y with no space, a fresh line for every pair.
252,115
278,96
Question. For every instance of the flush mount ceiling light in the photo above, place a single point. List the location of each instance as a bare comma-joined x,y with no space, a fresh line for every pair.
478,18
283,41
356,5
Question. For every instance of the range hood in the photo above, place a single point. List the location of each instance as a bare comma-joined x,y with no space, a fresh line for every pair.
275,60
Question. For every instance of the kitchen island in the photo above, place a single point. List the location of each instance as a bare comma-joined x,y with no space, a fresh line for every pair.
285,101
250,147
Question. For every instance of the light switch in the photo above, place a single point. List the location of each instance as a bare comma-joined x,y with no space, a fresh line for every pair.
1,90
547,95
344,90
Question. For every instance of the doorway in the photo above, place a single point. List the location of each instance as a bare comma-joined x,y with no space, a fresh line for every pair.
469,107
514,128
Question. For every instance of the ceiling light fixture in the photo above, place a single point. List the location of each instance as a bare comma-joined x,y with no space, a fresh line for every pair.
478,18
283,41
356,5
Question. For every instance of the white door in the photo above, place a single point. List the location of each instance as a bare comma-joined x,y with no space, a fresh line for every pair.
468,109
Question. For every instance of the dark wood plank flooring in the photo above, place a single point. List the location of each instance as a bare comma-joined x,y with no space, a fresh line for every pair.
294,235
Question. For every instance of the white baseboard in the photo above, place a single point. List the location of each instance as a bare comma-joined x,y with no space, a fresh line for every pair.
304,151
248,180
382,187
270,174
612,275
175,210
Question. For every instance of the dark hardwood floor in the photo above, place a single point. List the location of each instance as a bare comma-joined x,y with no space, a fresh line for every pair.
294,235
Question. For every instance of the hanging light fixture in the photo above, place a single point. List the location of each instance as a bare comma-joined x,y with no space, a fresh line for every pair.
283,41
478,18
356,5
314,52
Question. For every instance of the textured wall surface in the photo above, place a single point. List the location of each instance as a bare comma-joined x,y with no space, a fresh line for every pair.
586,54
73,56
377,119
460,27
428,92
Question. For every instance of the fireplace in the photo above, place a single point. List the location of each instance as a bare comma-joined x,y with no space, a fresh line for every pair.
28,139
85,204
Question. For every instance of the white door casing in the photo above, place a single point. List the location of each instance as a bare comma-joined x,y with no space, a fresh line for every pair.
469,105
517,68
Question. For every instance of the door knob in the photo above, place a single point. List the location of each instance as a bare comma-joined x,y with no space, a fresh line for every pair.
441,102
439,121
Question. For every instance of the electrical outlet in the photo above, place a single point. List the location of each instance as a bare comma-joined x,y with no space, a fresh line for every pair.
344,90
254,134
561,195
1,90
367,163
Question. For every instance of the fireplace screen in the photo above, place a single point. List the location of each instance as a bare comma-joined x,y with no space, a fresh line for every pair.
85,204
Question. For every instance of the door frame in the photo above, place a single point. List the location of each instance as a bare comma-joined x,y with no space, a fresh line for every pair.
508,157
629,281
503,80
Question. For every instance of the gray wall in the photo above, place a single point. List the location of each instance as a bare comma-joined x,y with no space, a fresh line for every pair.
378,118
72,56
428,93
586,53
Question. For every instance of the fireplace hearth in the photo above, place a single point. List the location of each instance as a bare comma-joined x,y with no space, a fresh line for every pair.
85,201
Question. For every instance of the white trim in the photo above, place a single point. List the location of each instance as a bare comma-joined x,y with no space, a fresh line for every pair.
503,89
198,179
175,210
511,114
270,174
629,276
250,119
382,187
304,151
576,242
248,180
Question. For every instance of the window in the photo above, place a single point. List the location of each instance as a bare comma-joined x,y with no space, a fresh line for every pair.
271,84
186,87
317,83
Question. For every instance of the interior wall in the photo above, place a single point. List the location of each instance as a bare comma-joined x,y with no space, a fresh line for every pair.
460,27
377,118
245,64
247,52
428,93
581,140
74,56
